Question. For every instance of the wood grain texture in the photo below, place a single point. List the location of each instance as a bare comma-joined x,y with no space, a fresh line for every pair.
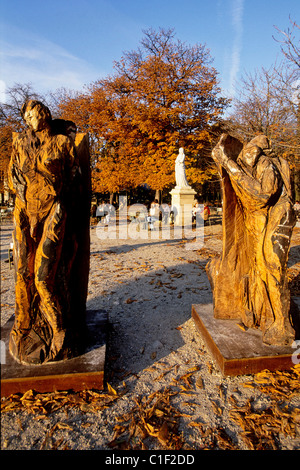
49,173
82,372
238,352
249,280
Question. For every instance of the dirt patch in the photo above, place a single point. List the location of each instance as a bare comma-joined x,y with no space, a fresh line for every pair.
164,390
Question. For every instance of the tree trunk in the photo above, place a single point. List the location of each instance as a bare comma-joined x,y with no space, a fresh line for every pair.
158,195
297,157
111,197
297,185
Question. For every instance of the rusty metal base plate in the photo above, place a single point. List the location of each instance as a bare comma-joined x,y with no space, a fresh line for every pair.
235,350
79,373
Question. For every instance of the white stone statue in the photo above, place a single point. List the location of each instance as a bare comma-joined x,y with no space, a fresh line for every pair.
180,176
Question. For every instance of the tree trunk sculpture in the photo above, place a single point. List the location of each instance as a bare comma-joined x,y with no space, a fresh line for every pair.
49,173
249,281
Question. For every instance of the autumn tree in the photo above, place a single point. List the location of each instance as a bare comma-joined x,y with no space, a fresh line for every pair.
267,101
290,44
163,96
290,47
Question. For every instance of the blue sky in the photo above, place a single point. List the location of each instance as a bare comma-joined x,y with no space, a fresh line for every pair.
69,43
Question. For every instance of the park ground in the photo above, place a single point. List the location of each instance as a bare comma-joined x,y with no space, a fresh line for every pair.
163,388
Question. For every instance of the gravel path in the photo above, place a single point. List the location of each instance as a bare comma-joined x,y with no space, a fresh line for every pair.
164,392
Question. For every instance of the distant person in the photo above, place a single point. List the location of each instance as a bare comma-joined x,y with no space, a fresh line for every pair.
297,209
196,211
154,209
205,213
165,209
153,214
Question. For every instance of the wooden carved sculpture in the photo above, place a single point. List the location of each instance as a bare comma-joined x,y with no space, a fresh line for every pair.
249,281
49,173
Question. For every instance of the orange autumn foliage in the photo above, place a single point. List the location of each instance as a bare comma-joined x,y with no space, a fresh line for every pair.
162,97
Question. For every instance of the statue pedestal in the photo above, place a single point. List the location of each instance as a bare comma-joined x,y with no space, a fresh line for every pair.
235,351
182,205
83,372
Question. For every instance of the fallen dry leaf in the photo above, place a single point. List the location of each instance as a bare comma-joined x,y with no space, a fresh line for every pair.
111,390
129,300
199,382
216,408
153,417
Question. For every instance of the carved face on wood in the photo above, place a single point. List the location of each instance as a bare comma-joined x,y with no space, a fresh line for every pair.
250,154
36,115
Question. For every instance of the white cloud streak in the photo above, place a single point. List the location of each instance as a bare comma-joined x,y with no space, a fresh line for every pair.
237,23
28,58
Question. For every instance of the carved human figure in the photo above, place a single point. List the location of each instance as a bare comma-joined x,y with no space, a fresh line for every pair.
180,176
249,280
45,175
